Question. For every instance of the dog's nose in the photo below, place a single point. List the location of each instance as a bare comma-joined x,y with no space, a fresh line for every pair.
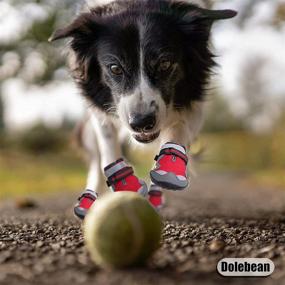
143,122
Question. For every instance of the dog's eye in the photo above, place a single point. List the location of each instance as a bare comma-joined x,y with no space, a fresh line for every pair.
116,69
165,65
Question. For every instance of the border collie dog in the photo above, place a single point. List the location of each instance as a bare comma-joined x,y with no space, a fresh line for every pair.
144,65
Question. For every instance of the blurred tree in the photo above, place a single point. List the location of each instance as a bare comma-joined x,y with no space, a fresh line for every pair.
219,117
40,139
249,7
280,15
246,12
252,89
25,52
1,115
37,60
261,112
281,122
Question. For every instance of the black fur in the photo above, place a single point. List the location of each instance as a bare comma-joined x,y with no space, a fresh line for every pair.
164,30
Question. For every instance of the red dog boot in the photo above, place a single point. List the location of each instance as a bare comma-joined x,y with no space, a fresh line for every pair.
155,197
85,201
171,167
121,178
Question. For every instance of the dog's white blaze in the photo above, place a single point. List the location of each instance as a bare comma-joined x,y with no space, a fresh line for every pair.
140,100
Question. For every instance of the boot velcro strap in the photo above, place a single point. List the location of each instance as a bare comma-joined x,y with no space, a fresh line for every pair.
87,195
155,193
172,151
121,174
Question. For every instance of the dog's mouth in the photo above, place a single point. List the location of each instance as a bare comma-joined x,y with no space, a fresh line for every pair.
145,137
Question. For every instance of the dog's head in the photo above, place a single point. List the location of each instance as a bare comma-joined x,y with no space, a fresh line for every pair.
139,60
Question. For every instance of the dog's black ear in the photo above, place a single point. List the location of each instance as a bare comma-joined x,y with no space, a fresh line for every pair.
84,24
206,15
197,21
214,15
61,33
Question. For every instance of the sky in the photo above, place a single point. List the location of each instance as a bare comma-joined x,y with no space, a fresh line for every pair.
236,47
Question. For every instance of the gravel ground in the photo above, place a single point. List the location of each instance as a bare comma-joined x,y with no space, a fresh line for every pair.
222,216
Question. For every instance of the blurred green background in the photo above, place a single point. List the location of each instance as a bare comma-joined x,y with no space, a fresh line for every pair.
39,105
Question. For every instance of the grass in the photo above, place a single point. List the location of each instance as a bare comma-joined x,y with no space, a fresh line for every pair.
243,151
270,178
23,174
261,156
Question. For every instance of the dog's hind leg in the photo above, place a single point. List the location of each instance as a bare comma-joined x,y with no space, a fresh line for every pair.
98,137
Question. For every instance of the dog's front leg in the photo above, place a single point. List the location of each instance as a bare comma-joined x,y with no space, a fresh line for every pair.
120,176
183,127
171,171
100,140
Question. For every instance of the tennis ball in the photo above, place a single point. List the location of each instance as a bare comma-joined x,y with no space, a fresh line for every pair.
122,229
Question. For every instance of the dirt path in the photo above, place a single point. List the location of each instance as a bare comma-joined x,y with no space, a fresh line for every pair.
222,216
